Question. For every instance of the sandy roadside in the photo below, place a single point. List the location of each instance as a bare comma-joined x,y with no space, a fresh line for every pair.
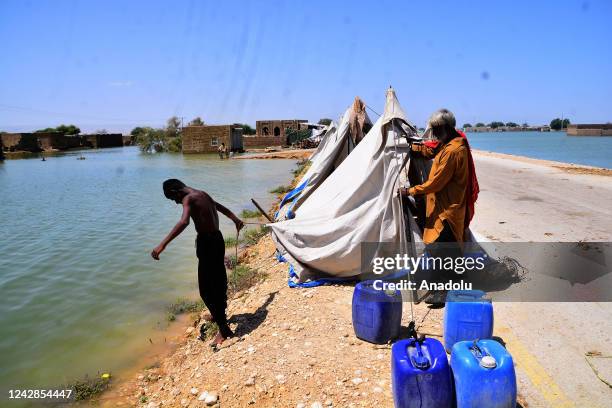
529,200
296,154
567,167
298,347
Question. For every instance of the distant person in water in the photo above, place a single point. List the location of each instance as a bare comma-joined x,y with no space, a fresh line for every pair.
221,150
210,248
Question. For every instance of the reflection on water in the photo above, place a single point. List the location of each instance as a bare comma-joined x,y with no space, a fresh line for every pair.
79,292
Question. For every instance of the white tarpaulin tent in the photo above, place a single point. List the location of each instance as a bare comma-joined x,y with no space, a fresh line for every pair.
317,135
356,203
336,144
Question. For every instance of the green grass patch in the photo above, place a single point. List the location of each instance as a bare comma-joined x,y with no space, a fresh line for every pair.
250,214
210,329
281,190
231,242
183,305
242,277
230,261
253,235
88,388
302,166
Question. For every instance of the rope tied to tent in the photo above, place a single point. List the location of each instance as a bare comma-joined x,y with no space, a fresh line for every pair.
373,111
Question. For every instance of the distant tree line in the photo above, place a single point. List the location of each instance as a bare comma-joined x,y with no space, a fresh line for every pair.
493,125
558,124
246,129
197,121
555,124
167,139
65,129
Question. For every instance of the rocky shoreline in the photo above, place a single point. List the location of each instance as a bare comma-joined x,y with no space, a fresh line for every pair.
294,348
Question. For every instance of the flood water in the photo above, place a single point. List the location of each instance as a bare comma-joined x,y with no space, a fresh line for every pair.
79,291
556,146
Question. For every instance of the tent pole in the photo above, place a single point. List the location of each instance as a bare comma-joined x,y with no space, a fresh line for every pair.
261,210
402,226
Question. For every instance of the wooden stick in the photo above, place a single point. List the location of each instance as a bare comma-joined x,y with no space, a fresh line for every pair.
237,236
261,210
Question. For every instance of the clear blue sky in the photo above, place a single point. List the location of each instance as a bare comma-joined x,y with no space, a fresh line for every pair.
117,64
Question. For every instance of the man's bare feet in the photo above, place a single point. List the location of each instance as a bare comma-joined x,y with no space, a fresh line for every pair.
217,340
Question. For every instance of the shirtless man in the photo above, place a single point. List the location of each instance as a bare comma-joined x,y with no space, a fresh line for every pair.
210,248
221,150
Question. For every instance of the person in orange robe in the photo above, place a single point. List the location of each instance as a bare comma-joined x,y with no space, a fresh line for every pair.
451,188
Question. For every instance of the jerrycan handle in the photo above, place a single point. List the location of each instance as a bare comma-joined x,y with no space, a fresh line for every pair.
476,351
419,360
485,360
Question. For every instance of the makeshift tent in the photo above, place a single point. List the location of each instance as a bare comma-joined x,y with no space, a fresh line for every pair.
336,144
317,135
357,203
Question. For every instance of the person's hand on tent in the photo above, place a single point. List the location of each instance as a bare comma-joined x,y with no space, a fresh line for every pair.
403,191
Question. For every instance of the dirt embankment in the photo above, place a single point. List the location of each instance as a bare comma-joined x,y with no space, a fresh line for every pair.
292,347
296,154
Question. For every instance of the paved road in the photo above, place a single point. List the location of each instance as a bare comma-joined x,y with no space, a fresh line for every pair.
526,201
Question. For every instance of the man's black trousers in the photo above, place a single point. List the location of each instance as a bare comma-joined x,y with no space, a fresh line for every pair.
212,278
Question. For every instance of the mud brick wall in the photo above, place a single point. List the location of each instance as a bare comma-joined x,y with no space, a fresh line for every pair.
199,139
265,128
27,141
590,130
262,141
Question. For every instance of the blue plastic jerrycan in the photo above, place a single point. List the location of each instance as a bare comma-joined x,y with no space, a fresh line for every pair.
484,375
420,374
377,314
467,316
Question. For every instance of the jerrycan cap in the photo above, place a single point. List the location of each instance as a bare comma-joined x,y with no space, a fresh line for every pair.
488,362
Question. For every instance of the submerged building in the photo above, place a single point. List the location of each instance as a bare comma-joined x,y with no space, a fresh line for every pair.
274,132
590,130
207,139
42,141
39,141
102,140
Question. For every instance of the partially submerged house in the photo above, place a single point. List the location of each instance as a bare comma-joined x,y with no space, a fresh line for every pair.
39,141
101,140
274,132
590,129
207,139
45,141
